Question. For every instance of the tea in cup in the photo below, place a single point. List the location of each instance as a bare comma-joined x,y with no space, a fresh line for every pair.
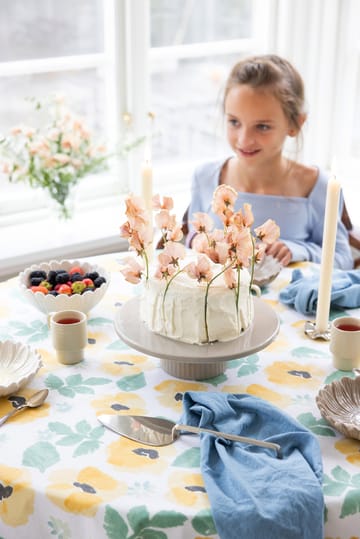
345,343
69,335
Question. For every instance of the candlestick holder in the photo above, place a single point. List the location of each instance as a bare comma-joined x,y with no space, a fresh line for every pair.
314,334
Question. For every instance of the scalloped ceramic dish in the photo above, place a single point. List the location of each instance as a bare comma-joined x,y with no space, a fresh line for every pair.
18,365
266,271
48,303
339,404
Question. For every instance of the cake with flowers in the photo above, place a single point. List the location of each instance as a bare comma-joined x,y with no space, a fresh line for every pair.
201,295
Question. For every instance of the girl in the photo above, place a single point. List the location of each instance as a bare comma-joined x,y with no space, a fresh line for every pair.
263,104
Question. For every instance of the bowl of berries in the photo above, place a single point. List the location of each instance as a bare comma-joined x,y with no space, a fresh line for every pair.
61,285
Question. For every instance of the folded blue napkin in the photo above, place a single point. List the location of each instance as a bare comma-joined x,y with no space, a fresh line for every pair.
253,494
302,292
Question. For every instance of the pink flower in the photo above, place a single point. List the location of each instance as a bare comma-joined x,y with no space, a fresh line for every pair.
134,205
133,271
200,243
167,204
202,222
241,246
244,217
230,278
224,198
173,252
164,220
268,232
201,271
175,235
164,270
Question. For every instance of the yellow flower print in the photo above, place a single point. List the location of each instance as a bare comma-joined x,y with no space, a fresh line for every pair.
81,492
279,344
289,373
7,404
125,364
188,489
17,496
351,448
267,394
171,392
50,362
234,390
132,456
129,403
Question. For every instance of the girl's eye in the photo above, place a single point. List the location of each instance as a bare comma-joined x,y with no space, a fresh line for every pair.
263,127
233,122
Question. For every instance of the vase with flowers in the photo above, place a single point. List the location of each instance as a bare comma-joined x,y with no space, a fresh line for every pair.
54,156
221,254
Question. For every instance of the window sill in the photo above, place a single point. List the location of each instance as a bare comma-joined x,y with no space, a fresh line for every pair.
89,232
92,231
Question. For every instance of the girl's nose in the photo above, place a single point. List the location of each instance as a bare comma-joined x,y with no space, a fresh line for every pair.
245,136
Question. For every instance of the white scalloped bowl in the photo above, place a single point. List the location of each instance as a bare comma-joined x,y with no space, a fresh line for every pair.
18,365
48,303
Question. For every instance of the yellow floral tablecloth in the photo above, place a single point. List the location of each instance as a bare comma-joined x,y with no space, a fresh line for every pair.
62,475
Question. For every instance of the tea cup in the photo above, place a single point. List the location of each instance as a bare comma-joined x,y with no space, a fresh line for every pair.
345,343
69,335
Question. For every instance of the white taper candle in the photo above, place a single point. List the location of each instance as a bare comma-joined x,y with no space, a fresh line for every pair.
327,256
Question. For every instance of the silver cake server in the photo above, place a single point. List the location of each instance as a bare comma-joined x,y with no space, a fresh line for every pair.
157,431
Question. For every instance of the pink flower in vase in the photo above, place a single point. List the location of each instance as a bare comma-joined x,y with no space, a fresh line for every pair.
166,204
202,222
200,270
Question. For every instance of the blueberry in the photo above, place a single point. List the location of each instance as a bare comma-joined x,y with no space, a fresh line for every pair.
38,273
53,293
76,277
99,281
62,278
35,281
91,275
52,276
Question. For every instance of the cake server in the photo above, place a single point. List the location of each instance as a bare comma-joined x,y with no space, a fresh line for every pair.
158,431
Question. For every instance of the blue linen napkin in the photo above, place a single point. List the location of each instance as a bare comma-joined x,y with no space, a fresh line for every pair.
253,494
302,292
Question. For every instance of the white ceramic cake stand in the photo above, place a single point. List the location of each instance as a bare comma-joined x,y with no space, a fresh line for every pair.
192,361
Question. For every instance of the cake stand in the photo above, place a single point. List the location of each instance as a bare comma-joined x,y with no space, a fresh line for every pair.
193,361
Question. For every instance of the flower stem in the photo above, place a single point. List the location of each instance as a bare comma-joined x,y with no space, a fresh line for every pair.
167,288
206,298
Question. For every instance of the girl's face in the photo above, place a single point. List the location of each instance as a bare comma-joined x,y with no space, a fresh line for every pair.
256,124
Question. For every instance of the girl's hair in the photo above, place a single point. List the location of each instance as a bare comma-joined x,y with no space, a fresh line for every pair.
271,73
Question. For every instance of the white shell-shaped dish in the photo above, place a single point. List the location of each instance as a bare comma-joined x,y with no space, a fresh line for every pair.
18,365
48,303
339,404
266,271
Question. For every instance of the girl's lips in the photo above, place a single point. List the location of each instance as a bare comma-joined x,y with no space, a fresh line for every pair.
248,153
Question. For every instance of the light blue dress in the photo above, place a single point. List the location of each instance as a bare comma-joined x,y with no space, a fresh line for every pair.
301,220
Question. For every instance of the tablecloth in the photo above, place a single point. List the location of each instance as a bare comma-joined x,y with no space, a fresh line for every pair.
63,475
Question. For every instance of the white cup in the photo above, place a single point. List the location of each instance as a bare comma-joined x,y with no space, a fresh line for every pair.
345,343
69,335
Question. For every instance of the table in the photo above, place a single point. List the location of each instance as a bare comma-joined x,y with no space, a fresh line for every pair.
63,475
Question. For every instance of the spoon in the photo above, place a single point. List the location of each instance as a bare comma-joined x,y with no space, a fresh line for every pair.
34,401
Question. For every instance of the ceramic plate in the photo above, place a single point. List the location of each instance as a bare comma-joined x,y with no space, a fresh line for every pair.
339,404
18,365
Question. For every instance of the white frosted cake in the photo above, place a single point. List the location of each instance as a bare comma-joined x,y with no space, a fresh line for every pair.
181,315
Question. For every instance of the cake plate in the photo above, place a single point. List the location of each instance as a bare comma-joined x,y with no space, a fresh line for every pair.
193,361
